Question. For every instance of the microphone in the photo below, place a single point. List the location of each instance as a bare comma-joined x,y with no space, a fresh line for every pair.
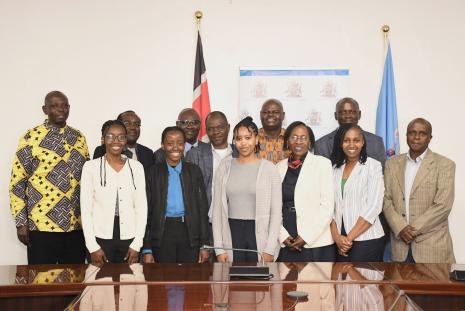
262,272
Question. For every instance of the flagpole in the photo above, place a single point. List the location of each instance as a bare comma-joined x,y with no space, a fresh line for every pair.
198,15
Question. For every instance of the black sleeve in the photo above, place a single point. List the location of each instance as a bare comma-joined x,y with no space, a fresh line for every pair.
99,152
202,202
149,183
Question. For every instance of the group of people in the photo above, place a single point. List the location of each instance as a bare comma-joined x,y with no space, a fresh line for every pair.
275,191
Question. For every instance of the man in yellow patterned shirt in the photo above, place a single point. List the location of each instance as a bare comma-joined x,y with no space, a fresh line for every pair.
44,187
271,135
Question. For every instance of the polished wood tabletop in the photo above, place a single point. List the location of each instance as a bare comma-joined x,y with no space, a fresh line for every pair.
232,296
55,286
65,279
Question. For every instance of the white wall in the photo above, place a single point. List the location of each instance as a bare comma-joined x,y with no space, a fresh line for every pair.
113,55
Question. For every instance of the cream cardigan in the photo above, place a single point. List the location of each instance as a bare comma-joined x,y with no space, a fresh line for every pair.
268,209
98,202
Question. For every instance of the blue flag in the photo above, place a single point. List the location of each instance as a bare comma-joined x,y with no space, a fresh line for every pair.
386,116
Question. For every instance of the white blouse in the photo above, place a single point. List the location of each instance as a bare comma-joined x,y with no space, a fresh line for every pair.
100,184
363,197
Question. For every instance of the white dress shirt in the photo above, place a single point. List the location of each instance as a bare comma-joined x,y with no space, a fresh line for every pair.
411,170
100,184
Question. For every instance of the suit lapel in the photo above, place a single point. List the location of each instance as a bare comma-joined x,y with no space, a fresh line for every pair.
330,142
400,172
423,171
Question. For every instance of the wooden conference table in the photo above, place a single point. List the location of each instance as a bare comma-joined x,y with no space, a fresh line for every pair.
331,286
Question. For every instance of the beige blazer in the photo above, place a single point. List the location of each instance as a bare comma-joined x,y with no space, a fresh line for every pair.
313,199
431,201
268,209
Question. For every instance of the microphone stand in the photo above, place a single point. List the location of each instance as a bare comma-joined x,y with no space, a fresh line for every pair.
249,272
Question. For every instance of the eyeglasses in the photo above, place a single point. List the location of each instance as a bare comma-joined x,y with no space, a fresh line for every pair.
295,138
135,124
111,138
186,123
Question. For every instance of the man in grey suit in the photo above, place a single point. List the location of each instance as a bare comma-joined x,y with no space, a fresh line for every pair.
348,111
209,156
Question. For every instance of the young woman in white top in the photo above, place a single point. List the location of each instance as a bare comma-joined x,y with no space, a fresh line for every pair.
113,201
359,190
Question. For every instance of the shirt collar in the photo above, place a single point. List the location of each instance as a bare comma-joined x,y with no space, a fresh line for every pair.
419,158
229,149
261,132
194,144
48,126
177,168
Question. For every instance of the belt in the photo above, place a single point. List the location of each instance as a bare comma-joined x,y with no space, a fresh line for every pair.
289,209
175,219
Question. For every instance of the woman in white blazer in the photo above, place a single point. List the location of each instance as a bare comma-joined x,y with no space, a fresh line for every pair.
308,200
359,191
246,201
113,201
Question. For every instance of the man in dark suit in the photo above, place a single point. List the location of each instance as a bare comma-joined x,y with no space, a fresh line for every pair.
189,122
134,150
347,111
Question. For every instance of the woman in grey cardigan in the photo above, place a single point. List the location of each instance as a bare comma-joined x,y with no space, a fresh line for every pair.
246,201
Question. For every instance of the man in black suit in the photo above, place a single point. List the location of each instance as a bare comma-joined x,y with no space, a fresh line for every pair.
134,150
189,121
348,111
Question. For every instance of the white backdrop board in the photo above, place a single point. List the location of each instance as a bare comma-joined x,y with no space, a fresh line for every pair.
308,95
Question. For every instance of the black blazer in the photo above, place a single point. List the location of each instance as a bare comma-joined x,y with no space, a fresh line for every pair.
195,204
144,155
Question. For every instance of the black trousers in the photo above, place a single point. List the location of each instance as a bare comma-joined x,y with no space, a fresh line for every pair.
363,251
243,236
115,249
175,245
317,254
56,247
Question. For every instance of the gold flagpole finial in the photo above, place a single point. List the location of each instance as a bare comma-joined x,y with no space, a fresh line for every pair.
198,15
385,29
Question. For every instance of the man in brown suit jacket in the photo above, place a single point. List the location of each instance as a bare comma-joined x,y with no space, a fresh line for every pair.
418,198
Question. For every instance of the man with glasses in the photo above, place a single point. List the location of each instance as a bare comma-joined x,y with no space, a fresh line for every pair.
189,122
347,111
45,186
271,135
209,156
133,150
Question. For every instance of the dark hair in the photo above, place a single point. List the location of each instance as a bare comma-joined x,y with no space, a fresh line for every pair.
120,116
248,123
52,94
216,114
172,129
338,157
106,126
349,100
425,122
292,126
103,169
